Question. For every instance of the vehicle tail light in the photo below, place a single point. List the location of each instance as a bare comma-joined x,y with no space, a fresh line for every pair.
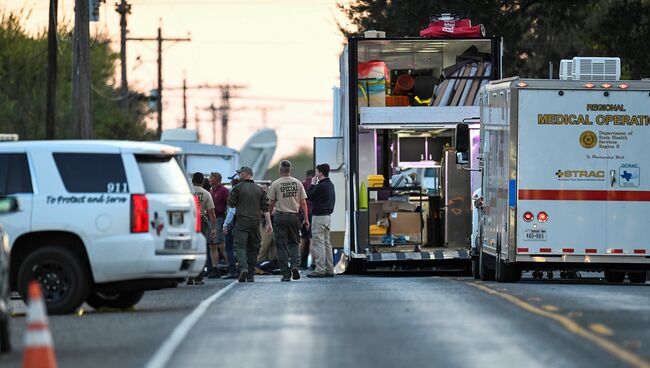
528,216
606,85
589,85
623,86
522,84
139,213
542,216
198,214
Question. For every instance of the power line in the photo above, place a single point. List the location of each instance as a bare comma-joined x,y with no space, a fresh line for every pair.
159,39
225,91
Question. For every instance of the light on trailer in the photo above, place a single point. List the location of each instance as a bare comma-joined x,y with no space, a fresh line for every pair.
528,216
606,85
542,216
522,84
623,86
589,85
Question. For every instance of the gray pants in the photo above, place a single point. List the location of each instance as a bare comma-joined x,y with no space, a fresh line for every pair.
246,239
285,233
321,246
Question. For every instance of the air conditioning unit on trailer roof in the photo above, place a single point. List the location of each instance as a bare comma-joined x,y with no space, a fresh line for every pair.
596,68
566,69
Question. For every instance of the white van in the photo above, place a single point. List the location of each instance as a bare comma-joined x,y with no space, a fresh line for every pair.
99,221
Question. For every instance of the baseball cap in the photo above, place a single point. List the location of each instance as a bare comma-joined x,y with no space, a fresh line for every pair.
245,169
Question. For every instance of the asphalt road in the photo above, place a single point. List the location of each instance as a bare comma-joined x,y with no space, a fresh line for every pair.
363,321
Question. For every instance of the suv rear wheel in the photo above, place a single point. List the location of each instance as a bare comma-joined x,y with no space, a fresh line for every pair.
124,299
62,275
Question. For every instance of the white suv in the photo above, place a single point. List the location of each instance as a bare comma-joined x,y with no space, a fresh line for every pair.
99,221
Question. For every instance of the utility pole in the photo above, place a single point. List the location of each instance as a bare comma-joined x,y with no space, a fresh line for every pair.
224,112
225,109
82,115
184,103
197,121
213,109
50,115
265,110
159,39
123,8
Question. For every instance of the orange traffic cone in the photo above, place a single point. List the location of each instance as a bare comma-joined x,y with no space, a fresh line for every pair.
39,351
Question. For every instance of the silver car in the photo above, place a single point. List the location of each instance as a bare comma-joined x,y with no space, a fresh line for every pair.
7,204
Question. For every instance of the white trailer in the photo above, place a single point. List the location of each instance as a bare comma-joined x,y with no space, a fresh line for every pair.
565,178
370,138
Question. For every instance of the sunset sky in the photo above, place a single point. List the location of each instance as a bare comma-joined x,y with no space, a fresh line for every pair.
283,51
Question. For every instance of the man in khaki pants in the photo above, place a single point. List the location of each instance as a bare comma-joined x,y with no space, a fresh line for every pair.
321,194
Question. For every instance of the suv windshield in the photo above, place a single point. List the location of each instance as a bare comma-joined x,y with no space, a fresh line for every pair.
162,174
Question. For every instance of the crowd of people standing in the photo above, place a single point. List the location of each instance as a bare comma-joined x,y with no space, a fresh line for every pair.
251,224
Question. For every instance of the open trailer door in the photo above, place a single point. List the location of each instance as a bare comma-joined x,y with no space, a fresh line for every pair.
330,150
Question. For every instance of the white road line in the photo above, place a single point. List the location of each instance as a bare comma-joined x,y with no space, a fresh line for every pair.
161,358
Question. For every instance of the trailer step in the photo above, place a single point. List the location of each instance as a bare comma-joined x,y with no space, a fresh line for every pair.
456,254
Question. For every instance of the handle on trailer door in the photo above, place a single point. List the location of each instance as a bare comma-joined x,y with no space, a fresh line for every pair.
612,176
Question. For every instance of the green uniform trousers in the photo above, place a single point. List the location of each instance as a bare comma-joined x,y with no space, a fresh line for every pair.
246,240
286,227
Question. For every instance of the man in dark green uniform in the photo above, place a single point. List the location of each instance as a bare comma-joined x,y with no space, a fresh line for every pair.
251,202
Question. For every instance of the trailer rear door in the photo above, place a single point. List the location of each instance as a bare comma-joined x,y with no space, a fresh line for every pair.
562,172
628,140
329,150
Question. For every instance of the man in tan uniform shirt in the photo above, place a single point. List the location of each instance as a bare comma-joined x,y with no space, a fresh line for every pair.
206,206
288,197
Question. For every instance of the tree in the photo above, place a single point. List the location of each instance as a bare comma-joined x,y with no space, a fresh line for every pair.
621,29
301,161
23,93
534,32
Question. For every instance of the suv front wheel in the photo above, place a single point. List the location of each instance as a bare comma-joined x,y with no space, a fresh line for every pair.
62,275
121,300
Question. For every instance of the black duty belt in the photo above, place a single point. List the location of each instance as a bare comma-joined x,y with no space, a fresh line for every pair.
288,213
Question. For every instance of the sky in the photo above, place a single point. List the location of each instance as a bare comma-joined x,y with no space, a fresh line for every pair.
285,53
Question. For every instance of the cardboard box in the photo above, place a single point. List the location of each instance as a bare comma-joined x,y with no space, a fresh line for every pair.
395,206
405,223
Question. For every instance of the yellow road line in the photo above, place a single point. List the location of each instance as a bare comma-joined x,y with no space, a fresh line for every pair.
601,329
573,327
551,308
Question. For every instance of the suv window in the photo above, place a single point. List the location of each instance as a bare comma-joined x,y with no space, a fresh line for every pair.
14,174
162,174
92,172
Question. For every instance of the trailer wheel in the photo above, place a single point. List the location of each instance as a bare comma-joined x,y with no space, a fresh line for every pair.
638,277
485,273
615,276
